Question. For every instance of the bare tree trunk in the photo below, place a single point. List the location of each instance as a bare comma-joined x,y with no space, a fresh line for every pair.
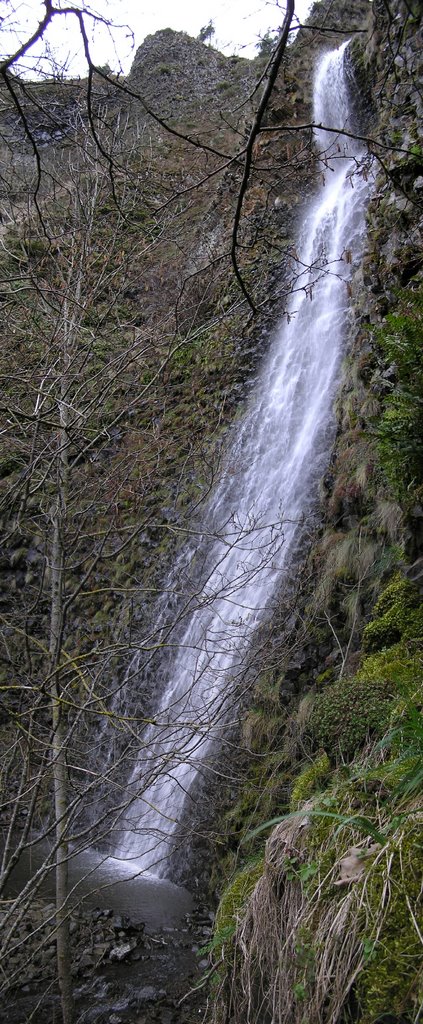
59,717
60,772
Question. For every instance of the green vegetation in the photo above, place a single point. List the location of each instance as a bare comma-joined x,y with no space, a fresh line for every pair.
397,615
334,927
206,33
233,903
266,44
353,710
389,979
309,779
350,712
400,430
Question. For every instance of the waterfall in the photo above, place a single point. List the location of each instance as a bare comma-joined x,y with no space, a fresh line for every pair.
268,487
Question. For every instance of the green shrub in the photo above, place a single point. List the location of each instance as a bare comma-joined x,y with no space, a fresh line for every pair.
349,712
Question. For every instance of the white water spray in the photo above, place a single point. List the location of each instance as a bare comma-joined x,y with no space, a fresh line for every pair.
267,489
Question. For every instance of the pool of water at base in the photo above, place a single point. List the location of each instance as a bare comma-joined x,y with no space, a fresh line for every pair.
96,880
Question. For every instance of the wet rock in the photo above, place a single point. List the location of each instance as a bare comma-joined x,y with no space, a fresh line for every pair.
120,922
415,572
85,961
100,950
121,952
149,994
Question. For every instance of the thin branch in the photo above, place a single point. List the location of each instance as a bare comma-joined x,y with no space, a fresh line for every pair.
255,129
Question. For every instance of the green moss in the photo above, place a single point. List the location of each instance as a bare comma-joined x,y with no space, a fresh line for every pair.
388,982
391,948
396,638
400,429
328,676
397,613
398,593
398,665
349,712
263,794
233,902
393,772
383,632
309,780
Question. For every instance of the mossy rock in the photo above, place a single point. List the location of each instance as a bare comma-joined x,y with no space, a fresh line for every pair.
264,794
233,902
396,613
400,665
328,676
394,771
309,780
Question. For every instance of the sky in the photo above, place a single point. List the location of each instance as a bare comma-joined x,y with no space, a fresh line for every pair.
238,25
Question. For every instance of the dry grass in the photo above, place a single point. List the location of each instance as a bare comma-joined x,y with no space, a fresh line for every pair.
299,947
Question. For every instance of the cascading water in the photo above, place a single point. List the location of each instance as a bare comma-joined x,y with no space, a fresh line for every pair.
268,486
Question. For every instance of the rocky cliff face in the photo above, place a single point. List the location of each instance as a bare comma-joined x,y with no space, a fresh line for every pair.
181,78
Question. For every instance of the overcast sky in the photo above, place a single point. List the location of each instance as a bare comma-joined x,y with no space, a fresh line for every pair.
238,24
